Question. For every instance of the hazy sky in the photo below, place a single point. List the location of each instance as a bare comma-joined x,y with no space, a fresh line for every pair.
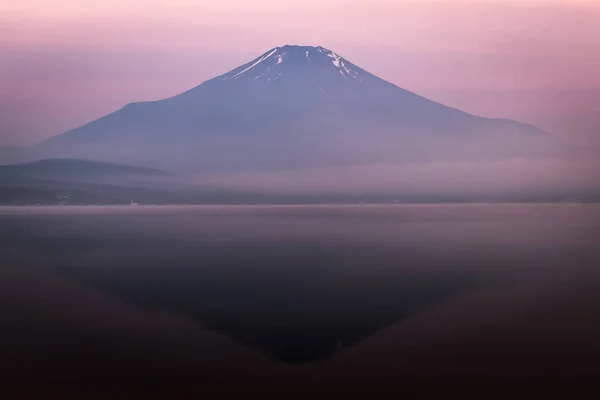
65,62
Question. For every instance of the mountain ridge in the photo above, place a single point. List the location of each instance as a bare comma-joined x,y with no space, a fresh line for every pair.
53,168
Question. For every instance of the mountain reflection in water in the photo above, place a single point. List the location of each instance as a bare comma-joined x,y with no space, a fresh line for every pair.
343,293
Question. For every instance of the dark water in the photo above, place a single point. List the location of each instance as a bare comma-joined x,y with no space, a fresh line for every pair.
316,297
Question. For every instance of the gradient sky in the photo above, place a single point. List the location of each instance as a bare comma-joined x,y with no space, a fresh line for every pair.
66,62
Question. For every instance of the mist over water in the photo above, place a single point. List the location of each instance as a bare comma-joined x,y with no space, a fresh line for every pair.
505,167
334,297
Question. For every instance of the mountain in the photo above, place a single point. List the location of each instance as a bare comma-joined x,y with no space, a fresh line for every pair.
71,181
294,106
74,170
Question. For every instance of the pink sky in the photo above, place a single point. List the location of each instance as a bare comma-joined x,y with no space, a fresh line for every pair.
65,62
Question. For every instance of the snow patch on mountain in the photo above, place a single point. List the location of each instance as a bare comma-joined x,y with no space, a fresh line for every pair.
255,64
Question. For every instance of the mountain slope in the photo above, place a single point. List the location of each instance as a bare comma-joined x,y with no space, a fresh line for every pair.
293,106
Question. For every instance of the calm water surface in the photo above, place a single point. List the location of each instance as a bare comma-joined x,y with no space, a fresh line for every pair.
322,297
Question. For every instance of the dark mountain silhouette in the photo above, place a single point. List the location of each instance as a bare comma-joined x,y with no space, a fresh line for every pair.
72,169
70,181
294,106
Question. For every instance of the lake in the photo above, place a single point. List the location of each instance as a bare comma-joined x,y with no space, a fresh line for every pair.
328,299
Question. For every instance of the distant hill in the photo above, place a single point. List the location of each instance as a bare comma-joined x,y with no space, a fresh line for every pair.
74,170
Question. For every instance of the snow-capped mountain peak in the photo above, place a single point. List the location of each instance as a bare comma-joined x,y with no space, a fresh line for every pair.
293,106
273,64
